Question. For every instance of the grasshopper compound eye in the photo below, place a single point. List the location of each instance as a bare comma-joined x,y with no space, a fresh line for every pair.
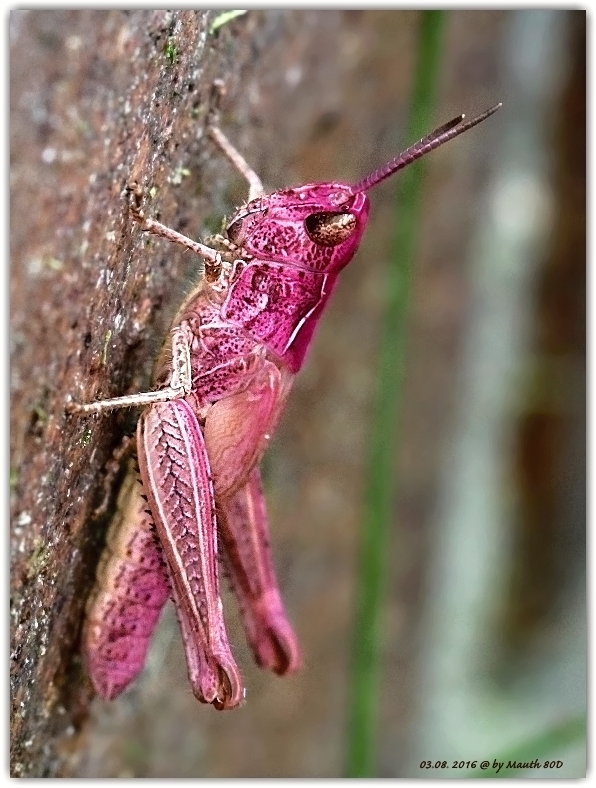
329,229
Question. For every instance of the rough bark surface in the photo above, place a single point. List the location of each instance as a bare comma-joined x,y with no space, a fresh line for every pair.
102,97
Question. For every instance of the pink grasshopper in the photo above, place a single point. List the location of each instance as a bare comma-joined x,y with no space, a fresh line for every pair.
221,384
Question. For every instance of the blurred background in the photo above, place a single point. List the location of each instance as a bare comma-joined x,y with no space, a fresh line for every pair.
482,645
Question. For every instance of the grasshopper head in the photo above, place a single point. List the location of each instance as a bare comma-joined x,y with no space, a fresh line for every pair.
318,226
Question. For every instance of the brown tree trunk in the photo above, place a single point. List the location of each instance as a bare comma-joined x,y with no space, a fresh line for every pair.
97,99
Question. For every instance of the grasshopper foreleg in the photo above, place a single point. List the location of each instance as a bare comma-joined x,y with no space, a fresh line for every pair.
135,194
255,185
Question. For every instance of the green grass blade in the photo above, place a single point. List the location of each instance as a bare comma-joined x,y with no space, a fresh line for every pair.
223,19
380,485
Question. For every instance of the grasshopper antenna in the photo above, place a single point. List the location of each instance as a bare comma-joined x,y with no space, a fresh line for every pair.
433,140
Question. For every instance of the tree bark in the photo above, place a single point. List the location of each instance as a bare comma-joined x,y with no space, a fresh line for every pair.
99,99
